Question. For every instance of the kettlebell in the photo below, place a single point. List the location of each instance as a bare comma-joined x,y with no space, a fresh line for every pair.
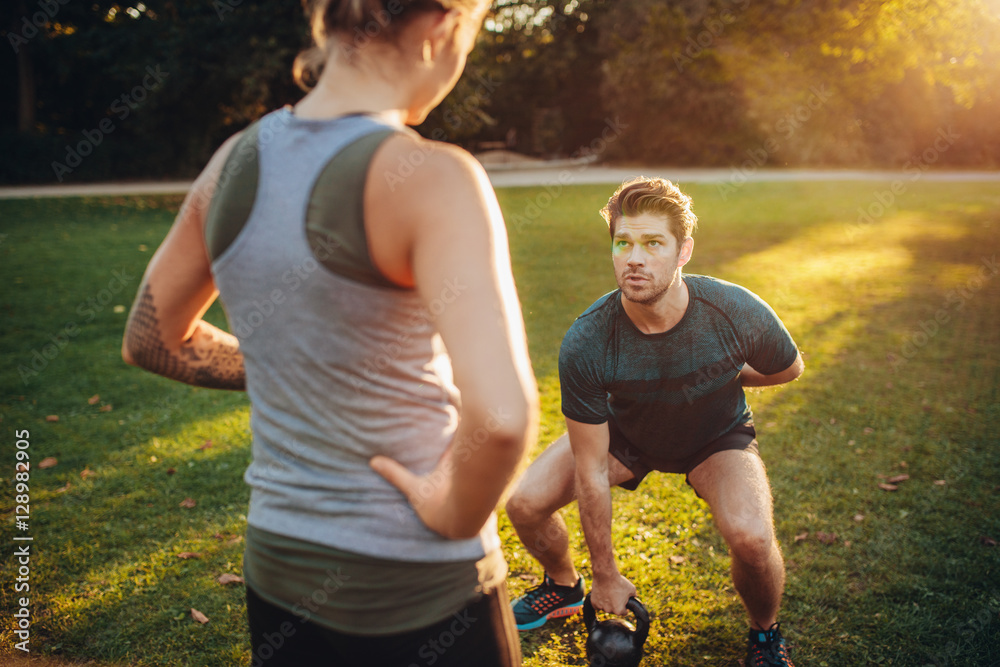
614,642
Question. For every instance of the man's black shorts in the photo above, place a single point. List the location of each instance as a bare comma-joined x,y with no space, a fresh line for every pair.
742,437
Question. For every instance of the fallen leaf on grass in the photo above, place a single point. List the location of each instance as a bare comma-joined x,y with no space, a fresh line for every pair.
48,462
895,479
677,560
198,616
86,473
105,408
208,443
859,517
868,430
188,503
847,543
229,579
887,487
52,418
801,537
94,399
939,482
188,554
826,538
530,578
171,471
988,541
64,489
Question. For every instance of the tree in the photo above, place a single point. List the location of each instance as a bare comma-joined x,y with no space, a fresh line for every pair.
811,81
542,62
153,88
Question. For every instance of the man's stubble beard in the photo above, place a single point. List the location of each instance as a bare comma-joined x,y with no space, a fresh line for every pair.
652,299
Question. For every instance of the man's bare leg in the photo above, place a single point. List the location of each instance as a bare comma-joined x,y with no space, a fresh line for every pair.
547,486
734,484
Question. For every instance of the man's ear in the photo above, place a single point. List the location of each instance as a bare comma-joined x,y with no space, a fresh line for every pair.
684,256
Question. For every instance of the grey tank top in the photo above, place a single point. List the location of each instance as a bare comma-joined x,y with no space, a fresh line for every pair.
340,367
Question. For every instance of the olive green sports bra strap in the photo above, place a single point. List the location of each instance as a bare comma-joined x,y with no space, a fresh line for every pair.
335,218
234,195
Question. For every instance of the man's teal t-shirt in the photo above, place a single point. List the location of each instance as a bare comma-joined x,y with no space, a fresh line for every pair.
672,393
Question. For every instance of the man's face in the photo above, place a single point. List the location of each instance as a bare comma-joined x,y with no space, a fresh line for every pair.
646,257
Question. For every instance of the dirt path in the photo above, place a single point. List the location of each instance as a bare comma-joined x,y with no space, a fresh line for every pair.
561,172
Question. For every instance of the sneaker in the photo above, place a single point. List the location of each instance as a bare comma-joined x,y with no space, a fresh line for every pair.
546,601
767,648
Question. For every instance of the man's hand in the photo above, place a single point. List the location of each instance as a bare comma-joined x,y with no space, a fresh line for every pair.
590,443
611,593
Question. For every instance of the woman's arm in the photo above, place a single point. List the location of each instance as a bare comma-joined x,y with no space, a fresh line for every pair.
442,228
165,333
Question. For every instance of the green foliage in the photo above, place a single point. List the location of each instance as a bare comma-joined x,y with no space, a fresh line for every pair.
542,62
896,315
703,82
683,105
812,81
169,84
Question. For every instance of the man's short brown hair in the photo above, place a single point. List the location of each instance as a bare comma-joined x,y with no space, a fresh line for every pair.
652,195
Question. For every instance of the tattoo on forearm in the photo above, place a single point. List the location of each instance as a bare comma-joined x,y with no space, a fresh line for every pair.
207,359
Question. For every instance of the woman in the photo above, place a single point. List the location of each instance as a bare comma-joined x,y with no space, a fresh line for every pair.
366,276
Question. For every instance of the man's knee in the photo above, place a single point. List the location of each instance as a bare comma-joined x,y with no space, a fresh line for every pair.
521,510
752,545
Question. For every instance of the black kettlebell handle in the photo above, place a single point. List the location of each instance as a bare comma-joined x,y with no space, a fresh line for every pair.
633,605
641,620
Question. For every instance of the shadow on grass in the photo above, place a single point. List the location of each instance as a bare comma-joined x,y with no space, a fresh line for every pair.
905,577
911,582
106,520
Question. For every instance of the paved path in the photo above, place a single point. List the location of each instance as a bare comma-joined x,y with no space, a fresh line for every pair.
565,172
569,174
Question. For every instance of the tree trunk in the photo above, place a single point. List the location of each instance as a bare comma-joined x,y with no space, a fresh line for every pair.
27,100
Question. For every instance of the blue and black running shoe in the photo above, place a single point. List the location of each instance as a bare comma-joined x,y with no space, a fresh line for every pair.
767,648
546,601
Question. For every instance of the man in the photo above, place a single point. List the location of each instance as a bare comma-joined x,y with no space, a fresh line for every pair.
652,378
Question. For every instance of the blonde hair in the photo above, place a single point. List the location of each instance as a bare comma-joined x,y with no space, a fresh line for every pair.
359,22
652,195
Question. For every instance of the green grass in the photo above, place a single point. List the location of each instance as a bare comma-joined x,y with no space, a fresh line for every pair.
912,583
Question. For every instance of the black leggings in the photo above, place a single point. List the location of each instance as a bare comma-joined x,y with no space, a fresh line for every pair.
483,634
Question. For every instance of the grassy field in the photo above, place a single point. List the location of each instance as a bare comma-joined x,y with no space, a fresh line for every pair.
898,318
